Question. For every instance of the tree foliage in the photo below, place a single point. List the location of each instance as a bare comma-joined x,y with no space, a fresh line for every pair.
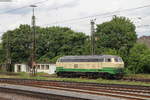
139,59
56,41
50,43
2,54
119,33
18,42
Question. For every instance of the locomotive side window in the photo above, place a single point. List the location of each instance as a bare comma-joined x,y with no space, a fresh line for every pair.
75,65
107,59
93,60
101,60
79,60
116,60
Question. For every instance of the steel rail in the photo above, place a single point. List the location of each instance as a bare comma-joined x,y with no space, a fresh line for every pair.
102,89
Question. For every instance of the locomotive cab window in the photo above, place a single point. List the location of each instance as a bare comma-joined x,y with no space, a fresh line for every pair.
58,60
118,60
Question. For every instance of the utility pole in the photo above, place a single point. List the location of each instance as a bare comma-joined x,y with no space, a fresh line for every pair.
8,48
33,62
92,37
8,54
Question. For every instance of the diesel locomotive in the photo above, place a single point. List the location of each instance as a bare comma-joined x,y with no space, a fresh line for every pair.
91,66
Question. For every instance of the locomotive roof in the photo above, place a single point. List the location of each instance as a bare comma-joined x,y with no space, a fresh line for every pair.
89,57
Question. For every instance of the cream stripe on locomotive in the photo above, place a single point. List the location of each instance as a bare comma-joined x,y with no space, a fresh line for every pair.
91,65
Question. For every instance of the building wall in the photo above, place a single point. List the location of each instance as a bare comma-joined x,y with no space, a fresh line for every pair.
20,68
46,68
3,67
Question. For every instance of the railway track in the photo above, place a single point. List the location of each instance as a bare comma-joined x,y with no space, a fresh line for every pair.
112,90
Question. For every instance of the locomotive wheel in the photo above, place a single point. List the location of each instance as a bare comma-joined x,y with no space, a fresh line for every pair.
59,74
106,76
118,76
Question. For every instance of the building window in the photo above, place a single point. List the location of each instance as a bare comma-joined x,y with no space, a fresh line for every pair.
38,66
19,68
47,67
42,67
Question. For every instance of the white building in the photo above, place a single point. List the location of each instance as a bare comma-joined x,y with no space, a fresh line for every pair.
47,68
44,67
20,68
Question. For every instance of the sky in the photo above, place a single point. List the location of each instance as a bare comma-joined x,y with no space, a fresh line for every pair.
75,14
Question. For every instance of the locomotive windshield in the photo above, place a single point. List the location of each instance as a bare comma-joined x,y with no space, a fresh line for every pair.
118,60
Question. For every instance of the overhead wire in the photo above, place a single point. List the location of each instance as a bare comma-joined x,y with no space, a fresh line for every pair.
102,14
74,19
19,8
107,14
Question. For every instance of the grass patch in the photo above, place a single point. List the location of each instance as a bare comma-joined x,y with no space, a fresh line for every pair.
141,76
44,76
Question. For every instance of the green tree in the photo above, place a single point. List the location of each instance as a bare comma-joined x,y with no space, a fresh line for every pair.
118,34
110,51
139,59
2,54
18,43
51,42
56,41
